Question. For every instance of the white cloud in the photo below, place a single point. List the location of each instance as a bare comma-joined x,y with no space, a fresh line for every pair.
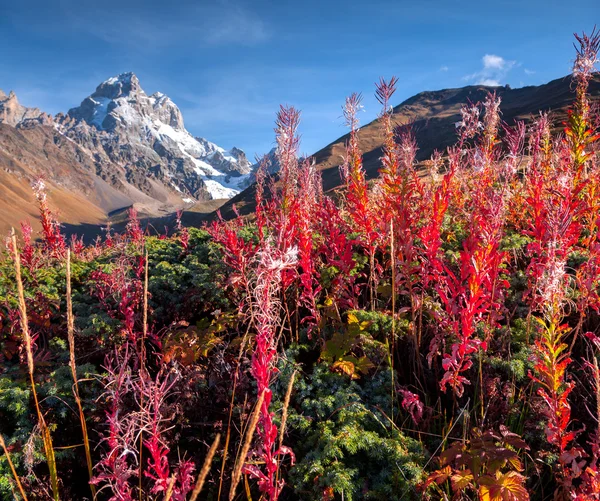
490,62
529,72
444,68
494,71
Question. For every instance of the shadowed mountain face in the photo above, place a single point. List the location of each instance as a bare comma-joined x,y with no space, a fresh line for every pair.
433,115
118,148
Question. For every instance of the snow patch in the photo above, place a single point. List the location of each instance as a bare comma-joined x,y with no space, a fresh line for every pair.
100,110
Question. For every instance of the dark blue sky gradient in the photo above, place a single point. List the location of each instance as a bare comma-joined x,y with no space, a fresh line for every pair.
229,64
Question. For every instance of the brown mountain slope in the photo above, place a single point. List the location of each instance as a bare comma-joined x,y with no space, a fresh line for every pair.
25,155
434,115
81,194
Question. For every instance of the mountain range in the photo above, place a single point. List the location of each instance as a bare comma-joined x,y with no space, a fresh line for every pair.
122,147
119,147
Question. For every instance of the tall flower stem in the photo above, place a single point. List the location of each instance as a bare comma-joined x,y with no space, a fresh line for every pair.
47,439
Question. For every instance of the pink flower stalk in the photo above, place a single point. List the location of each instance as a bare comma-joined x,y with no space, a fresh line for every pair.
259,195
77,245
431,232
540,142
272,263
391,172
401,194
309,199
286,133
118,466
470,124
120,295
184,233
109,236
472,297
237,252
154,420
28,254
337,250
514,140
358,203
403,199
555,228
133,228
491,124
579,132
54,241
587,57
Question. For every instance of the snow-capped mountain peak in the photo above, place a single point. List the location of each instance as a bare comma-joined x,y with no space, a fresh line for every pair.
121,112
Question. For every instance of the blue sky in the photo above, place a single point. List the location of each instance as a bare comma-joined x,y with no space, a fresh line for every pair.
229,64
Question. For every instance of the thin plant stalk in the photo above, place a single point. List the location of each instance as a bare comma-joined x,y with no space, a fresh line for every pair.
169,492
72,364
142,369
284,415
145,315
47,438
237,472
286,405
205,468
228,436
12,468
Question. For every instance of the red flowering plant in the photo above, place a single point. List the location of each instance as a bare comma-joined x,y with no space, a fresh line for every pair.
271,263
557,198
54,240
358,203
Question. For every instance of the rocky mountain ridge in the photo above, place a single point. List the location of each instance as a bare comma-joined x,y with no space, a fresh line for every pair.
147,136
119,147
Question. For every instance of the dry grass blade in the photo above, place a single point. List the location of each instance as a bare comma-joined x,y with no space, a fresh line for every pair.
12,468
237,471
286,405
284,415
72,364
47,439
169,492
205,468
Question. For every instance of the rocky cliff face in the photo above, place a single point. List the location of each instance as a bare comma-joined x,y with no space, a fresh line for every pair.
13,113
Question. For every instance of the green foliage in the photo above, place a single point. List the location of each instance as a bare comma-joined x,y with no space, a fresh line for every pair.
344,442
516,367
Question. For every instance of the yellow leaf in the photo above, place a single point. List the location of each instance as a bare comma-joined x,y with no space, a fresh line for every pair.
438,476
461,480
345,366
352,319
507,487
364,365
